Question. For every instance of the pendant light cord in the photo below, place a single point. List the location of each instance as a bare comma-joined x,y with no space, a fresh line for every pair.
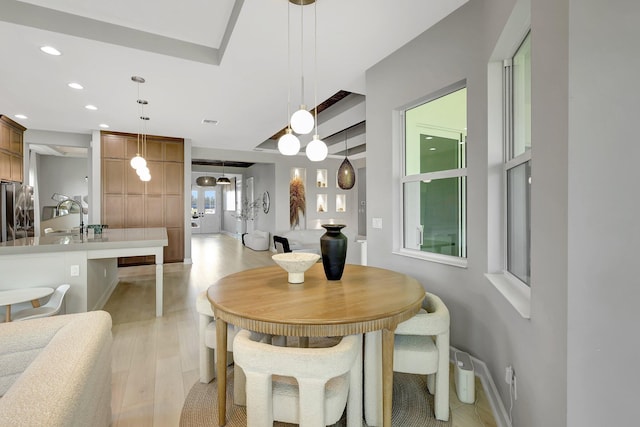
302,55
315,65
288,64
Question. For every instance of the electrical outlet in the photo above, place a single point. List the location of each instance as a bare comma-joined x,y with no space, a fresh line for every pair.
508,374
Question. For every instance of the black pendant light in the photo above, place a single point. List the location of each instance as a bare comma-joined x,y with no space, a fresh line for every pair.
206,181
223,180
346,174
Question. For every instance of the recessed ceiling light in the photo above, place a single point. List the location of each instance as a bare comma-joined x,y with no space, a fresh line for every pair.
74,85
209,122
20,116
432,149
91,107
51,50
429,137
104,126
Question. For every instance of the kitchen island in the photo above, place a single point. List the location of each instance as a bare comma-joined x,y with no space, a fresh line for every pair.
89,265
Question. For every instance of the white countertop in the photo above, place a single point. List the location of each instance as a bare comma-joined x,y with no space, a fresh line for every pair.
111,238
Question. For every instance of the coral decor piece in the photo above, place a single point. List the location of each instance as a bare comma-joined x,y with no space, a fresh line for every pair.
297,201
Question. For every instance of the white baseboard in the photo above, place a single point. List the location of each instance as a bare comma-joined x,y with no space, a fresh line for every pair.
497,407
106,295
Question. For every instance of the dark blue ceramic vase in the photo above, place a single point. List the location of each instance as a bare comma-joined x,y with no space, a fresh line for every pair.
333,245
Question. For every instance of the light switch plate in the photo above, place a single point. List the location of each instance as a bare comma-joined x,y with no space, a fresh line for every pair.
75,270
376,222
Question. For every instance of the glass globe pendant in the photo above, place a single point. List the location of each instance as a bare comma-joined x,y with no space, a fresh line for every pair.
138,162
302,121
288,144
317,150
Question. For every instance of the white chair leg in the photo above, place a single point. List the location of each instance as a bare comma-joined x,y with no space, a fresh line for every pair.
207,366
260,403
311,392
239,386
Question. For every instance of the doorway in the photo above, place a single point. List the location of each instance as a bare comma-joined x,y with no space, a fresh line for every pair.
205,214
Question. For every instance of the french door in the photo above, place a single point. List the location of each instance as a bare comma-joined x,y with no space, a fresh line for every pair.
205,211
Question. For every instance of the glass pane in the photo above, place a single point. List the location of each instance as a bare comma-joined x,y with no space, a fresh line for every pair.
434,216
194,203
519,222
522,98
209,202
435,133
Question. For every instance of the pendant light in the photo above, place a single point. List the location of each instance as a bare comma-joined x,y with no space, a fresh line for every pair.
301,120
206,181
223,180
138,161
288,144
143,172
346,174
316,150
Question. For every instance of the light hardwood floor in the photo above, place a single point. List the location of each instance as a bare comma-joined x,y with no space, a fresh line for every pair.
155,360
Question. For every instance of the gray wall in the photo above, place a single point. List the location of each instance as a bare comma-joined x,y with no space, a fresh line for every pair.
575,358
483,322
604,234
264,179
64,175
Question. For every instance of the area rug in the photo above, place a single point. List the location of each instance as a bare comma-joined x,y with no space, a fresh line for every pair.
412,405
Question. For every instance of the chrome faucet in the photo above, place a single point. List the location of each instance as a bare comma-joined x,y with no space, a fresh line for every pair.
61,198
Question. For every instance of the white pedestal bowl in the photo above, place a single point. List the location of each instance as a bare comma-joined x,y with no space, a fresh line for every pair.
296,263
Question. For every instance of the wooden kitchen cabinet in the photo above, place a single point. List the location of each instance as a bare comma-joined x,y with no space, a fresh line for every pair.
11,137
128,202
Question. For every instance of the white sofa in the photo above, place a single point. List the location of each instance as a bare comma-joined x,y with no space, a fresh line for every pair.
56,371
304,240
309,241
256,240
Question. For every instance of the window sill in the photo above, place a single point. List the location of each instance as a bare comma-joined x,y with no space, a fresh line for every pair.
516,292
429,256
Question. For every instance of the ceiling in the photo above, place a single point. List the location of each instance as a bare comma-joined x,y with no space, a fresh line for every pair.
222,60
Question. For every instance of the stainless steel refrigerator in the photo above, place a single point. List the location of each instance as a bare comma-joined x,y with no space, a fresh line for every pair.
16,210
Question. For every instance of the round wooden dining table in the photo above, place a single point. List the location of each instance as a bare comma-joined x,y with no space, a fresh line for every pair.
365,299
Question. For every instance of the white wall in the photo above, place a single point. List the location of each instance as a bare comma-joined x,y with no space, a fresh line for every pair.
65,175
604,234
483,322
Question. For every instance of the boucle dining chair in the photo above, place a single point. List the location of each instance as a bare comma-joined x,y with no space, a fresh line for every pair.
421,346
305,386
51,308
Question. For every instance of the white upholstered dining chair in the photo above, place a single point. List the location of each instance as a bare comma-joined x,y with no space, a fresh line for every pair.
305,386
207,337
421,346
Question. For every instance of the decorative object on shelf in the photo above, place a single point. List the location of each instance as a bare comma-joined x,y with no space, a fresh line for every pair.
321,177
297,199
138,162
266,202
346,174
288,144
223,180
296,263
341,202
333,245
206,181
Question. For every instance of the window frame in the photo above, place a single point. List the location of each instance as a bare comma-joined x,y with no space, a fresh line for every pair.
510,160
399,239
516,292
